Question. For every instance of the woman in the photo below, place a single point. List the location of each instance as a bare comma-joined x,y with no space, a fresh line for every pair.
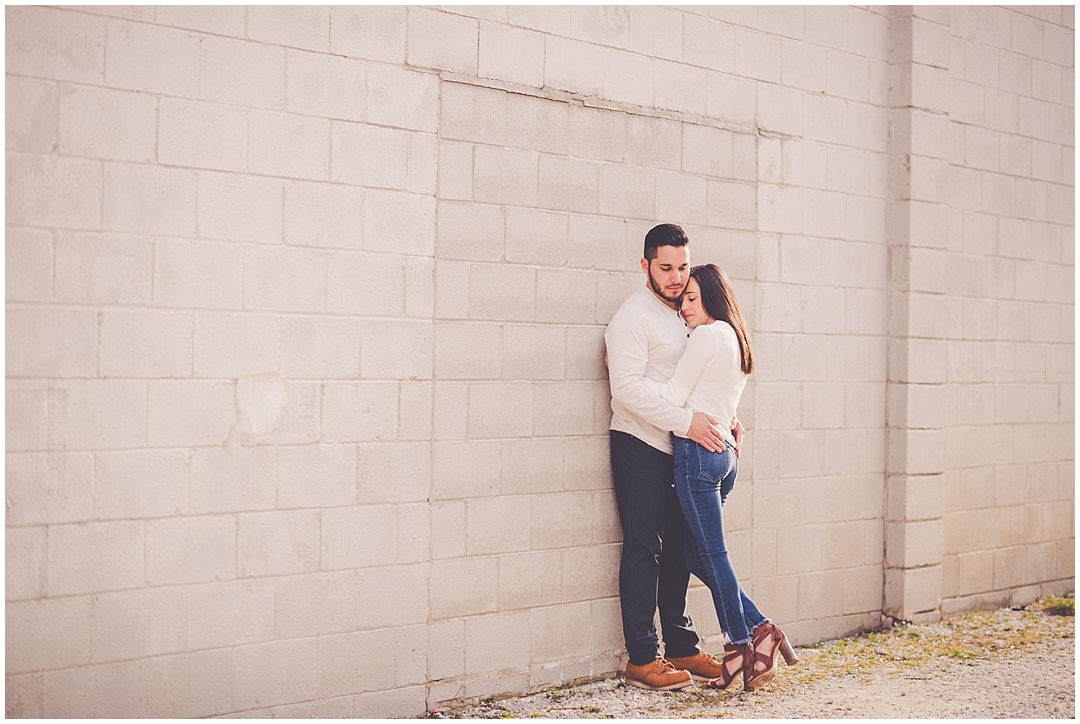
710,378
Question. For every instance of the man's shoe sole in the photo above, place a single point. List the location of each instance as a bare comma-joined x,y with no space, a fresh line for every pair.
650,687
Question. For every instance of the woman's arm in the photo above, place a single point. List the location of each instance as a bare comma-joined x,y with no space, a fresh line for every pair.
700,351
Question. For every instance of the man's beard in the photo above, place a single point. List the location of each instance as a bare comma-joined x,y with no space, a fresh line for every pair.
660,293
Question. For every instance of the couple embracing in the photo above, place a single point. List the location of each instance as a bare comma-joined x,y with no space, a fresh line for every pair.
678,355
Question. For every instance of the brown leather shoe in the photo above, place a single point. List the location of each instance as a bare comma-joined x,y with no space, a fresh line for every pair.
702,666
657,675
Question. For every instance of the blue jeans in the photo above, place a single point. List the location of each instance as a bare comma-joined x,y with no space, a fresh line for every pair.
703,481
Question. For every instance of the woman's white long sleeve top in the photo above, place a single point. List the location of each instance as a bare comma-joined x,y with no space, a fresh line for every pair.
708,377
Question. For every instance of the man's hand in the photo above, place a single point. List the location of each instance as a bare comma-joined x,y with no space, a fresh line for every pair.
737,431
703,432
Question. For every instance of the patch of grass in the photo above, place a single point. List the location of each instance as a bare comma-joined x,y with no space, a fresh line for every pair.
1059,605
591,709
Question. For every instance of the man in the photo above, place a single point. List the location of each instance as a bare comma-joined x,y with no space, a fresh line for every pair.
645,339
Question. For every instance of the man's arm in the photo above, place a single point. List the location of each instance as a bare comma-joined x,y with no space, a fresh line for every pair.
628,356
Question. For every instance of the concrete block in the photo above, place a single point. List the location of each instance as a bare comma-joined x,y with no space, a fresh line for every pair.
533,353
369,156
397,222
505,176
53,191
826,26
681,196
201,135
758,55
359,411
48,634
52,342
528,580
466,469
324,215
821,593
799,549
574,66
24,696
590,573
471,113
344,297
708,43
565,296
145,344
707,150
527,465
194,684
143,199
862,590
393,472
146,57
469,231
464,586
396,350
570,185
598,134
316,603
80,692
29,255
503,292
556,631
626,192
190,550
228,21
656,31
139,622
454,358
230,613
779,208
373,33
298,27
91,122
732,98
536,237
597,243
94,557
455,171
680,87
439,40
804,66
325,85
404,702
403,98
49,488
285,279
500,409
243,73
25,557
288,145
562,520
314,348
141,484
334,482
629,78
537,124
497,525
586,464
276,672
447,530
224,483
500,641
355,662
601,25
189,412
277,543
511,54
240,208
192,274
58,45
77,410
562,408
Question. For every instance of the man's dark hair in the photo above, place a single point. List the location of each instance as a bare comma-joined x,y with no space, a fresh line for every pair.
664,235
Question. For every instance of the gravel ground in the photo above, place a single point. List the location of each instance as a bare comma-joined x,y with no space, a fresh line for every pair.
999,664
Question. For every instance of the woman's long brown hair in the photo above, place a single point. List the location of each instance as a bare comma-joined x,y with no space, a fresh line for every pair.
720,303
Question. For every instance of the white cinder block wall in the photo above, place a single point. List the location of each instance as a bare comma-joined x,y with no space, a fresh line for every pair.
306,408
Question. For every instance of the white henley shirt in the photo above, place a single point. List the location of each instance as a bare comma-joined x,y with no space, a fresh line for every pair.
644,340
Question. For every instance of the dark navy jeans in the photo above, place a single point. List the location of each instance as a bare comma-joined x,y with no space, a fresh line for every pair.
652,573
703,481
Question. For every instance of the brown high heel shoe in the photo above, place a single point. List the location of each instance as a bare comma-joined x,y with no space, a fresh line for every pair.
742,655
767,638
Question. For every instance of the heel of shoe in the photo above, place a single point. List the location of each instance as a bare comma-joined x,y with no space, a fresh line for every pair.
788,652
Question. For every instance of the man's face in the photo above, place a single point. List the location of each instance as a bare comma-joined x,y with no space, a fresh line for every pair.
668,272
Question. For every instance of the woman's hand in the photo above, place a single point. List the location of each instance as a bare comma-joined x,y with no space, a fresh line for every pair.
738,432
